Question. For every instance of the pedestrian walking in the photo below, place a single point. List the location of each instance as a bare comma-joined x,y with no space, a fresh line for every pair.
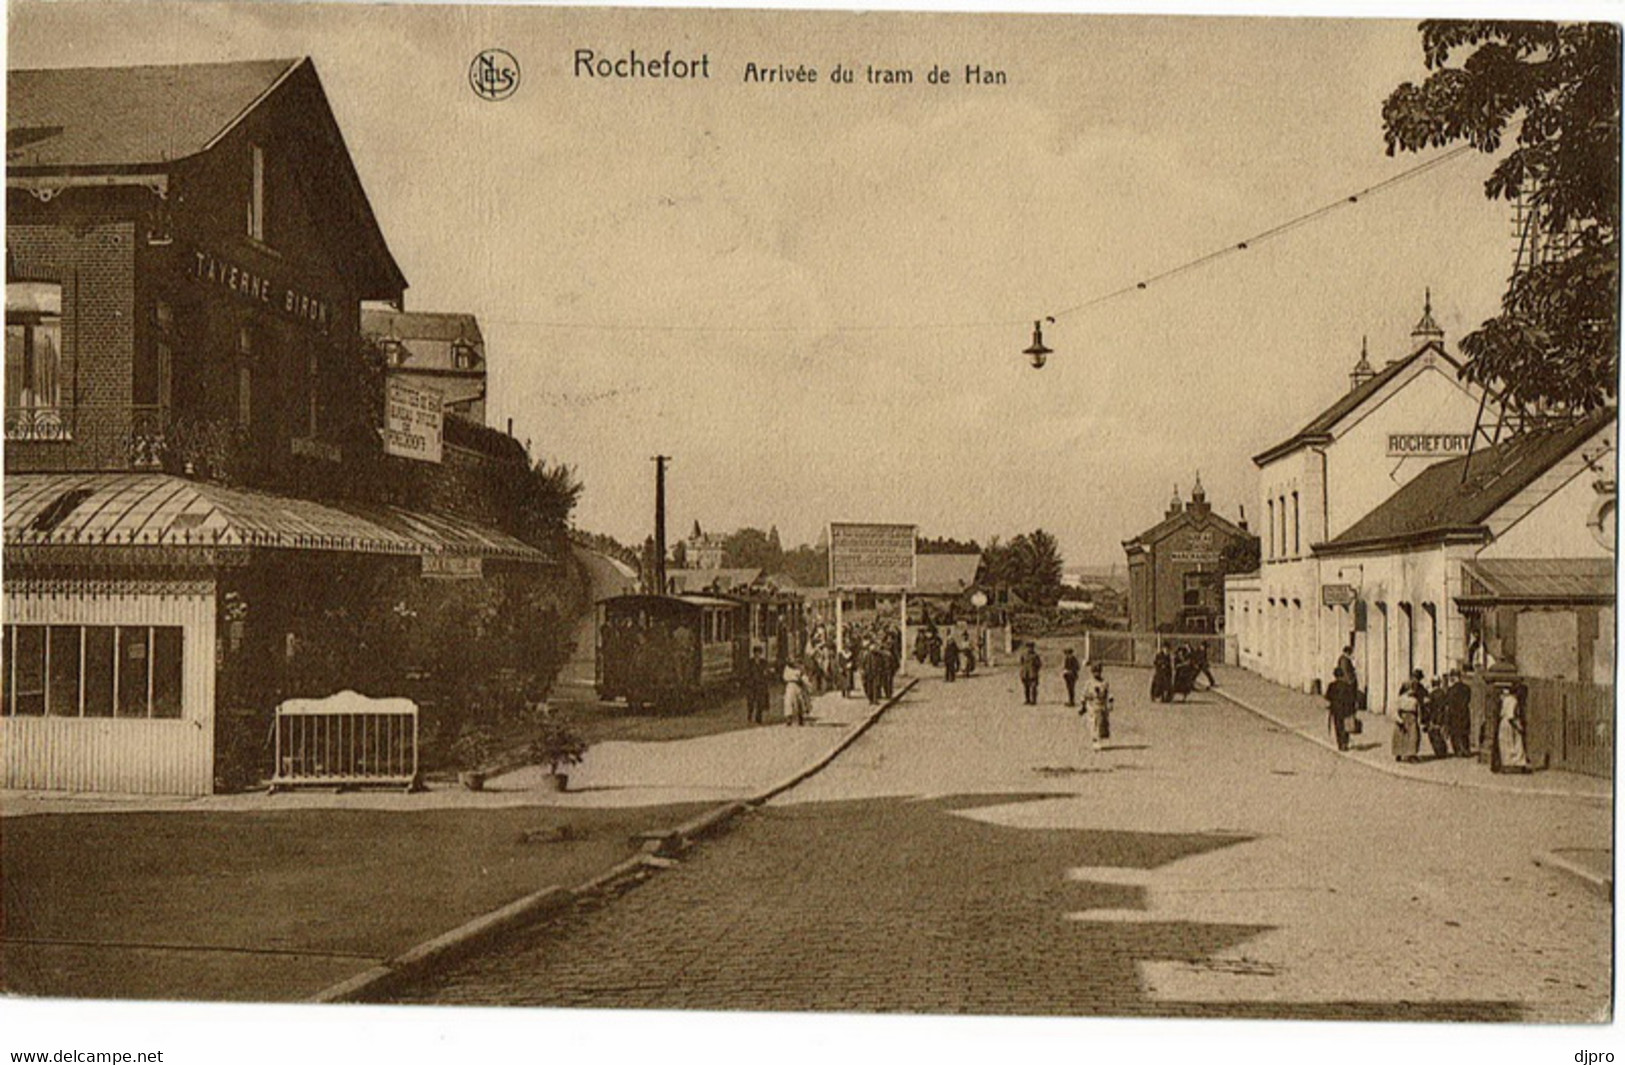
871,662
1341,702
1097,706
1184,673
758,685
1162,676
1069,674
849,666
797,699
1199,665
1031,668
950,659
967,655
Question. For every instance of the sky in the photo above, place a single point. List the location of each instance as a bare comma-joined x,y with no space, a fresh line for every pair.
814,297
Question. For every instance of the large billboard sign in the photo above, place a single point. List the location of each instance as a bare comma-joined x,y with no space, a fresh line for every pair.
414,417
871,557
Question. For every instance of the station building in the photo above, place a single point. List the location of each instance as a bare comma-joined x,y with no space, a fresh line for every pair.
192,457
1388,531
1176,567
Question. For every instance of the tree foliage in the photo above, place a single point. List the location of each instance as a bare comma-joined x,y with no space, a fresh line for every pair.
1030,564
1556,340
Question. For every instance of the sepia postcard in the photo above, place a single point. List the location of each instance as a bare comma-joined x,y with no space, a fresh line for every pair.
729,526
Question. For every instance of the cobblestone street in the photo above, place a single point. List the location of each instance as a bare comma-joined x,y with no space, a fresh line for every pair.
970,854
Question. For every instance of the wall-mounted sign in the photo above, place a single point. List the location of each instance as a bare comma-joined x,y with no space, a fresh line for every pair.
1337,594
270,292
868,557
1427,445
1194,558
413,419
453,567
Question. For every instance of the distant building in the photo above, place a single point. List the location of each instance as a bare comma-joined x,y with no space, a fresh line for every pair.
1176,574
444,352
703,550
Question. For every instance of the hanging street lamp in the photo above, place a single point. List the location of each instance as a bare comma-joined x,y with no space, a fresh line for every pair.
1038,353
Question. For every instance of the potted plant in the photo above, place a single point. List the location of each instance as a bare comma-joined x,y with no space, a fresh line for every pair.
556,744
473,750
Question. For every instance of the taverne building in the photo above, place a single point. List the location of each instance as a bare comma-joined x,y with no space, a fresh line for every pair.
193,471
1176,567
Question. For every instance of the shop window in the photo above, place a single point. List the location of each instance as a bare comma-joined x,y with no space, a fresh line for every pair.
26,697
100,646
34,408
132,671
62,671
256,192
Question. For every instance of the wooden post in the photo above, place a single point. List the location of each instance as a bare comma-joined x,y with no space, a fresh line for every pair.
902,631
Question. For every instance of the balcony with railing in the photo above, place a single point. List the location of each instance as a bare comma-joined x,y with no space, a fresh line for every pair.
86,437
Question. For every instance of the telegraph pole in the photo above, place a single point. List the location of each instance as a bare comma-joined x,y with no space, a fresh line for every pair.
660,523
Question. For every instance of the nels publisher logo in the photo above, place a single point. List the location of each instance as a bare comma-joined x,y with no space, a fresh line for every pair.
494,74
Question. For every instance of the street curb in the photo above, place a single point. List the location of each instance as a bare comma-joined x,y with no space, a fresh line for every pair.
1400,771
846,741
470,935
1599,884
444,948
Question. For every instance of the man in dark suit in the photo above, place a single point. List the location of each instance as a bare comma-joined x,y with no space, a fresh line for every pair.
758,682
1031,668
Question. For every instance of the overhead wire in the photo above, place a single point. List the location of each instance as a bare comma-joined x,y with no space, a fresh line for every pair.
1232,248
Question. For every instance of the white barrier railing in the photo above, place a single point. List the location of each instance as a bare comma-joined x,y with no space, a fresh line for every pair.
346,740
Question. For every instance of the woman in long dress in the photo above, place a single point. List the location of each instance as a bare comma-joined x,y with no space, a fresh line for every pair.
797,703
1097,706
1407,738
1514,758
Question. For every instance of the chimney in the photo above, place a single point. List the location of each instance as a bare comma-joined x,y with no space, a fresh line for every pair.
1242,524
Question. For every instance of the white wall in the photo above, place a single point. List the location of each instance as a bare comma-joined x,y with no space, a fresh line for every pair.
134,756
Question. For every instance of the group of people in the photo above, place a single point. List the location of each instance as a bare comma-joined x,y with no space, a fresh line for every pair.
1442,711
1176,673
1097,693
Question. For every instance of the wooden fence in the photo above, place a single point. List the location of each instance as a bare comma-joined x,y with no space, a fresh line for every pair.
1571,726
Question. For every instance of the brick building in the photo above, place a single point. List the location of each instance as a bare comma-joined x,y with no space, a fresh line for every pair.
193,473
1176,567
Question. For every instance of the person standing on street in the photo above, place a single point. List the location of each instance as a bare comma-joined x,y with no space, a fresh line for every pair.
1406,741
1031,668
950,659
1345,662
1458,714
1511,755
1162,676
758,681
1097,706
797,701
1069,673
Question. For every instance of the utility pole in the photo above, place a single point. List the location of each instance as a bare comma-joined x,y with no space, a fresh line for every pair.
660,523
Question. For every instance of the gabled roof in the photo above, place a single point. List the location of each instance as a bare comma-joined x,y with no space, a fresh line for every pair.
1319,429
129,116
1437,504
945,574
722,580
1172,524
421,325
119,120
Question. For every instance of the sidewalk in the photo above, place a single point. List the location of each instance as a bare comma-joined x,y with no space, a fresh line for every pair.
713,768
122,897
1306,716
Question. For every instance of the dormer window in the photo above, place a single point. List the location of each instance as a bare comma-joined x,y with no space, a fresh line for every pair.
256,193
394,354
462,356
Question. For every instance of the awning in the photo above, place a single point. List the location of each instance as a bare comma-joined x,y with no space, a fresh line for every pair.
156,510
1578,581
